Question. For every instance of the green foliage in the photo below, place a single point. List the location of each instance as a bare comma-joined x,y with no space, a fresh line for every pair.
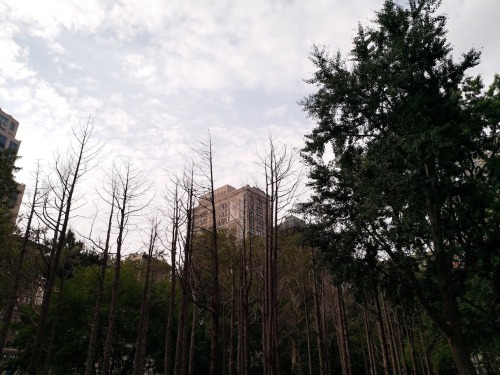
415,173
74,314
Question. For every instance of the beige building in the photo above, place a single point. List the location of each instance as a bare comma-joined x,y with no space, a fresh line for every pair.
239,210
8,130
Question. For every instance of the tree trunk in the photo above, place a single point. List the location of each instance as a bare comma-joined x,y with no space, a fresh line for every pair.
452,327
320,340
173,281
308,329
53,330
142,335
411,345
393,358
383,339
192,342
89,363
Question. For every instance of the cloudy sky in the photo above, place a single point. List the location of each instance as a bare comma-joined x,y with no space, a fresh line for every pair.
156,74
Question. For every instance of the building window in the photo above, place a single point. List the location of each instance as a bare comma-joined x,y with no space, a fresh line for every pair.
13,145
12,126
4,120
259,203
3,141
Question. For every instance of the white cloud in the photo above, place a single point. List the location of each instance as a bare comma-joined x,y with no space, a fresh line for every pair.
156,75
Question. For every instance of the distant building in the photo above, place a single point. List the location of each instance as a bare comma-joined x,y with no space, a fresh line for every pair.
8,130
292,223
241,211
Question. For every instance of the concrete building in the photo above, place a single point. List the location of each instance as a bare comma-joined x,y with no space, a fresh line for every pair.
8,130
241,211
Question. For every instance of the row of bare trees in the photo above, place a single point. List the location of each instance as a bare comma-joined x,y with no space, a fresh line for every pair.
247,304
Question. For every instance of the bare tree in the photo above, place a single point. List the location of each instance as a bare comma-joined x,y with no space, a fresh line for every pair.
56,214
181,364
89,363
175,201
206,169
281,182
131,188
142,334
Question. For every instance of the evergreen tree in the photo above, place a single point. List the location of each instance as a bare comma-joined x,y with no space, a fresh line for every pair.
414,175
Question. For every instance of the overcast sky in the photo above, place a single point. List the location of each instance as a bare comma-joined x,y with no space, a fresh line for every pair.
156,74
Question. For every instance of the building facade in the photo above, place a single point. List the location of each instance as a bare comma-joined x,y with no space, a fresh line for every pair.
240,211
8,130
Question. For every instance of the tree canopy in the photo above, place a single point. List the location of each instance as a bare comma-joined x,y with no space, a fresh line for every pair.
414,174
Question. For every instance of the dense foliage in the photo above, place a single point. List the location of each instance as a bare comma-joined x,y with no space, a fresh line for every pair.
414,177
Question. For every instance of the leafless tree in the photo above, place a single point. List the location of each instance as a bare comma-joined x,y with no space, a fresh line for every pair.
142,334
131,187
206,170
281,170
58,205
105,248
174,200
181,352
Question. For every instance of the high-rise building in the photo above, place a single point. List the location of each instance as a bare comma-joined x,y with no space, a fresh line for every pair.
241,211
8,130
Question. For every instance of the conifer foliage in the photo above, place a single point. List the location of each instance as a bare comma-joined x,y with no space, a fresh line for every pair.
412,179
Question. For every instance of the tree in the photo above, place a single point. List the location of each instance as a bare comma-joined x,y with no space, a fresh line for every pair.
13,293
142,334
89,363
56,214
281,179
129,187
414,173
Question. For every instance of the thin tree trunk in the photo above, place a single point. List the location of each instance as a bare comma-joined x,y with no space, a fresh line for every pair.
383,339
390,337
411,345
399,332
53,330
309,356
345,331
173,281
319,329
369,342
232,318
192,342
181,363
142,334
89,363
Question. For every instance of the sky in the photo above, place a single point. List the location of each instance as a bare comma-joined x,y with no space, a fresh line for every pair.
156,75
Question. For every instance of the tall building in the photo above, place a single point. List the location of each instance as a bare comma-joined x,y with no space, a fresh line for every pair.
8,130
241,211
